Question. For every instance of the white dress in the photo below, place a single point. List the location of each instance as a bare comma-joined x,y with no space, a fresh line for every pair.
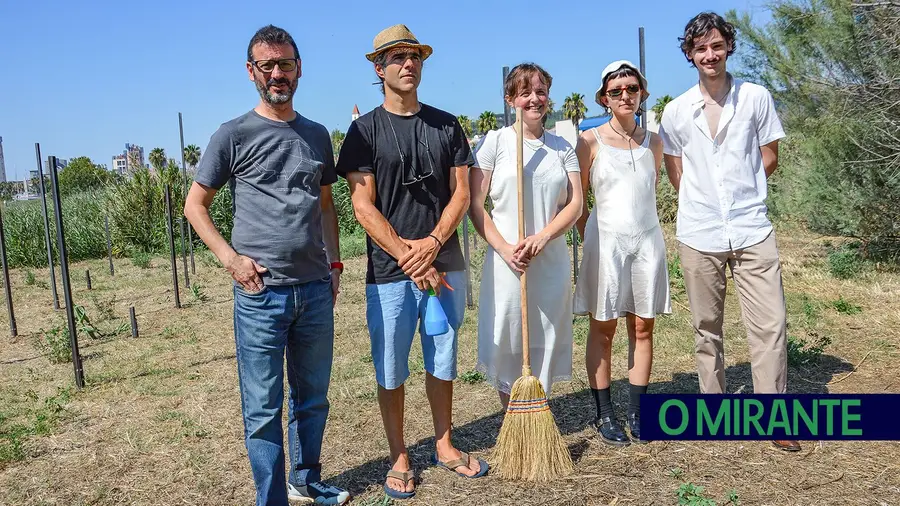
623,268
546,167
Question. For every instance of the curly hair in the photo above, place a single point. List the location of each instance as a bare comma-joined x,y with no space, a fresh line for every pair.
700,26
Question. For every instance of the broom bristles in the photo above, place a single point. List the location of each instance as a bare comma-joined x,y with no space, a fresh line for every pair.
529,446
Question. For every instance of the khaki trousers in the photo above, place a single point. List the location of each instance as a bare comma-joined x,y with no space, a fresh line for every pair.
757,276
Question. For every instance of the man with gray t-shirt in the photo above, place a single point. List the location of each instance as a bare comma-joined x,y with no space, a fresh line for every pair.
284,258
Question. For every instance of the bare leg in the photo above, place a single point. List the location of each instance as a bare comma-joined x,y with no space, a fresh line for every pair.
504,399
440,396
391,403
598,354
640,349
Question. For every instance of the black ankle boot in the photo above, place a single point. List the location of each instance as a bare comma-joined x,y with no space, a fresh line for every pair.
611,431
634,427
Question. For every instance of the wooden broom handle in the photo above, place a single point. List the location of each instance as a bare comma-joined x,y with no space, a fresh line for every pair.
520,180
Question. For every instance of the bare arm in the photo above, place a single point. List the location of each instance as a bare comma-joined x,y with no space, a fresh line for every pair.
330,229
656,146
480,184
770,157
584,150
362,194
673,169
196,209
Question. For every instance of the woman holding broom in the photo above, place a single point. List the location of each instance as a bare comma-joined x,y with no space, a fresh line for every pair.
552,197
623,270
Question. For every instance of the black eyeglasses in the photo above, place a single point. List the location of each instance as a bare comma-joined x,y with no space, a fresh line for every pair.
632,89
413,175
285,64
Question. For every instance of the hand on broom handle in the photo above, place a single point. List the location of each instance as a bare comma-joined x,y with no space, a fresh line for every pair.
520,180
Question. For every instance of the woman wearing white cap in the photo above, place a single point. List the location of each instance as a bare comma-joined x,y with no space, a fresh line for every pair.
623,271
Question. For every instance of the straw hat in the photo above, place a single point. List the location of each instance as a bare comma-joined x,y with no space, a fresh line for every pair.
397,36
616,65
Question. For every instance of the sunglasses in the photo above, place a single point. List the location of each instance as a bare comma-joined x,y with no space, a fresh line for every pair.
285,64
632,89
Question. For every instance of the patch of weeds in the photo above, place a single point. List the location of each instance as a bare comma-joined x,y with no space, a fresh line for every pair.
676,275
197,293
471,377
366,359
54,344
804,352
141,259
189,428
417,365
105,307
168,333
84,323
377,501
844,306
676,472
29,278
206,257
845,262
693,495
580,328
36,419
366,396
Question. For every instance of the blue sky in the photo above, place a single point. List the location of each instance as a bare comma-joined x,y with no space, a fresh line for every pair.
84,78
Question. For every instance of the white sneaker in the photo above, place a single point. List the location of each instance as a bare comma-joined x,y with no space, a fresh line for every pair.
317,492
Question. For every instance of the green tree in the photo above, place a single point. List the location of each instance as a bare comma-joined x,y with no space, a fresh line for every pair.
660,106
833,67
9,189
157,159
466,124
337,140
550,110
574,108
82,174
192,155
486,122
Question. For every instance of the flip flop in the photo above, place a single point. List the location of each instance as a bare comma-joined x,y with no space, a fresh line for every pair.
463,461
405,477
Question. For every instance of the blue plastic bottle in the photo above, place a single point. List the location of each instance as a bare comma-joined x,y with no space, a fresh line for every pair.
435,318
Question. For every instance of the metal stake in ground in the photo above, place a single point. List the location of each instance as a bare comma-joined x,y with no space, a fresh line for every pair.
43,190
64,272
172,245
134,328
87,278
468,261
643,65
6,286
112,270
186,187
187,276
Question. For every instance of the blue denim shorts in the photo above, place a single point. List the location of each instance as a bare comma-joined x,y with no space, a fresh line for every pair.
392,312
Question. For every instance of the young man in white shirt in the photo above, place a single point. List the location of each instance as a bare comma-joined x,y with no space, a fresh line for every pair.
721,144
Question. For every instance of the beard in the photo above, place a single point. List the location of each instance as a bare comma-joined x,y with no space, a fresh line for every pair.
275,98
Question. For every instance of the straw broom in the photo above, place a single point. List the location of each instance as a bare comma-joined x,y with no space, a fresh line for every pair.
529,446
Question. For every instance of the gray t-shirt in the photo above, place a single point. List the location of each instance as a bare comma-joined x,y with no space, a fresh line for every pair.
274,170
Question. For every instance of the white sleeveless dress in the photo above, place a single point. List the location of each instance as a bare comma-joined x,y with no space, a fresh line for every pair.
623,268
546,168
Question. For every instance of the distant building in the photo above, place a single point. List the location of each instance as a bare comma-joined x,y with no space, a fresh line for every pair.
123,163
61,163
355,115
2,163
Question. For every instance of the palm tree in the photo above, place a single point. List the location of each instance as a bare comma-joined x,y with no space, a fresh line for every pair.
158,159
466,124
550,111
486,122
192,155
659,107
574,108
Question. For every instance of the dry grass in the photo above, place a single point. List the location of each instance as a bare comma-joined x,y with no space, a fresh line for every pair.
159,422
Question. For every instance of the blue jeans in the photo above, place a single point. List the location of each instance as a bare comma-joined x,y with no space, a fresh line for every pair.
299,318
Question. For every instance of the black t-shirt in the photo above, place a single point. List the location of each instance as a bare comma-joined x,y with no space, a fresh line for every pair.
411,158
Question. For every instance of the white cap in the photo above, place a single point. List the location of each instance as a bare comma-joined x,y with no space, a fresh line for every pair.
616,65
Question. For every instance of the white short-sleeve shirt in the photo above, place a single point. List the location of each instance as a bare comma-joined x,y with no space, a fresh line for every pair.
721,200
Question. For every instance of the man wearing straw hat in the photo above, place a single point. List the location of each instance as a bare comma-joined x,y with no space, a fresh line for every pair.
407,164
284,257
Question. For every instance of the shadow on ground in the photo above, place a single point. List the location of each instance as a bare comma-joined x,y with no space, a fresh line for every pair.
575,411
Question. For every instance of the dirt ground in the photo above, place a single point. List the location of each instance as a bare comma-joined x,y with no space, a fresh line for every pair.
159,421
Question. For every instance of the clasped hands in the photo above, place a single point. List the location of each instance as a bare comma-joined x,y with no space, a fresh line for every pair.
417,263
519,256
